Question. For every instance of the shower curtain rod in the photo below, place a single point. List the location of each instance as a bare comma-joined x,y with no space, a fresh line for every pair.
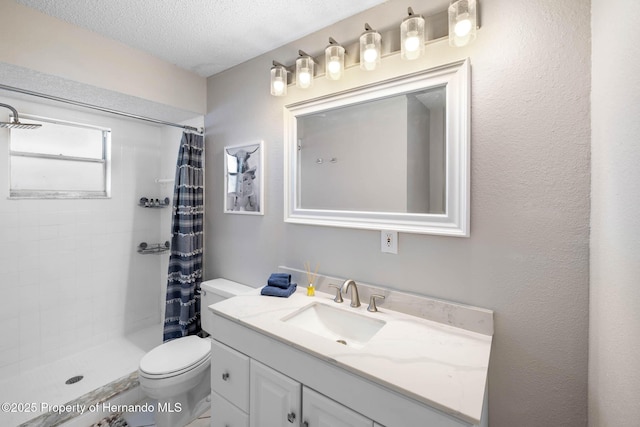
96,107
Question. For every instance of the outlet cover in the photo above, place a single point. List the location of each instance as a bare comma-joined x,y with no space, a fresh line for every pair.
389,242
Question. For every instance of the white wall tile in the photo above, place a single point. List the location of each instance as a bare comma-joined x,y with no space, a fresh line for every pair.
9,356
10,331
72,265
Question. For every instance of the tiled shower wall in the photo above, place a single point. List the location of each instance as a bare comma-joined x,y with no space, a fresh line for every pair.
70,275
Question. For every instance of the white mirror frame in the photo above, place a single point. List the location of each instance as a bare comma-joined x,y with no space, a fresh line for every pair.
455,220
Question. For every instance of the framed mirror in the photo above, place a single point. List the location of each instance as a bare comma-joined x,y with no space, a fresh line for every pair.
388,156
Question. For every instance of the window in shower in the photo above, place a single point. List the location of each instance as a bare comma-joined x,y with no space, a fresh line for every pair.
59,160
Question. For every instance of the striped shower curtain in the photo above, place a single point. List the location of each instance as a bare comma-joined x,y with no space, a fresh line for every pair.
182,315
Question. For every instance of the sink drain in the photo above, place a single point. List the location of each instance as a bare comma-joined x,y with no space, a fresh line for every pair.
343,342
74,380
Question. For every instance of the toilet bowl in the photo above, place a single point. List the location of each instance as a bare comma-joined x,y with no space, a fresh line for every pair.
178,373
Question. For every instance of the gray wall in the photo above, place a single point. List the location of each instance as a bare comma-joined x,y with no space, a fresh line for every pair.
614,325
527,257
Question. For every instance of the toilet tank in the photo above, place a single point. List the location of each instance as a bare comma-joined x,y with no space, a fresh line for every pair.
213,291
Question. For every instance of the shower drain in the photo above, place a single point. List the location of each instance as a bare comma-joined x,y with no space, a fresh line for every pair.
74,380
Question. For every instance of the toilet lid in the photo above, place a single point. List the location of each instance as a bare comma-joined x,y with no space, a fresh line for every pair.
176,355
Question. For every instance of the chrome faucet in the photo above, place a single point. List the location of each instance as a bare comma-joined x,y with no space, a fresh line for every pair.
355,298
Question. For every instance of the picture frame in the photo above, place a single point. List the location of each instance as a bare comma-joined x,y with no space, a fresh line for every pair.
244,178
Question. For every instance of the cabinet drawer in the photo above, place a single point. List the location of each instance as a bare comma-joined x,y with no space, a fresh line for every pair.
319,410
224,414
230,375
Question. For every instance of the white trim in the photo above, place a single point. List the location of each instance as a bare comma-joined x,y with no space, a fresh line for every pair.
456,220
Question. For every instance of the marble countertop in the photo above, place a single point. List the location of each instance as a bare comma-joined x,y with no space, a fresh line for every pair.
440,365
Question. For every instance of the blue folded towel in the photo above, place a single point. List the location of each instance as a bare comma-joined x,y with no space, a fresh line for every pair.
280,280
274,291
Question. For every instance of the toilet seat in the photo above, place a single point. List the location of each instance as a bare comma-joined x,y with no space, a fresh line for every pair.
175,357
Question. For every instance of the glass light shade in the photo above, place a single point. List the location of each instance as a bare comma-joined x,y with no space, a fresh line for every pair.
334,61
462,22
278,81
304,72
370,50
412,37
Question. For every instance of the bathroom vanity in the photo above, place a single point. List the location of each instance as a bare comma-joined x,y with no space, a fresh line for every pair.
309,361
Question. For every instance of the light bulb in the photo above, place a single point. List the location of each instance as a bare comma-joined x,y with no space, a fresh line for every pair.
462,22
370,53
463,26
278,86
304,78
370,49
412,36
278,80
304,71
412,42
334,60
334,65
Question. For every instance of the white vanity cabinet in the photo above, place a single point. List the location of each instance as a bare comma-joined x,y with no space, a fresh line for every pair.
274,398
277,400
407,375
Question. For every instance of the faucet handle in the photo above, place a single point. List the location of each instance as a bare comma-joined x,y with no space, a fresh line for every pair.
372,302
338,297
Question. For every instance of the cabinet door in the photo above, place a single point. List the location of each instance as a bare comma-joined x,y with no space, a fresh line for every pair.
320,411
230,374
225,414
275,398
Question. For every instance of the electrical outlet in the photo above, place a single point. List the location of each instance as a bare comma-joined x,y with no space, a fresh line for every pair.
389,242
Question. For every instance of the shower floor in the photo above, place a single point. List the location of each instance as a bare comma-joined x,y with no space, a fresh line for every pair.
44,386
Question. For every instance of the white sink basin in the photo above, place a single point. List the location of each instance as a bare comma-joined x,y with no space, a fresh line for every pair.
337,324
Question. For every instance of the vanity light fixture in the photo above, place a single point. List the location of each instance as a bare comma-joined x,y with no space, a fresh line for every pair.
412,36
278,79
463,22
334,60
370,48
305,66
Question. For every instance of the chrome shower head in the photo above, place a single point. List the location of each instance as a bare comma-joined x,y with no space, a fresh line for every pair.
16,124
19,125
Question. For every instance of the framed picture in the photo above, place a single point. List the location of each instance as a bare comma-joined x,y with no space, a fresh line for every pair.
243,178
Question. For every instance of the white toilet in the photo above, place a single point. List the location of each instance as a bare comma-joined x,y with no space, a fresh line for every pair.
178,373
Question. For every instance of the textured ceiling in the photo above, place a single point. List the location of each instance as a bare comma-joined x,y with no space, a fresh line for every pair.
204,36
